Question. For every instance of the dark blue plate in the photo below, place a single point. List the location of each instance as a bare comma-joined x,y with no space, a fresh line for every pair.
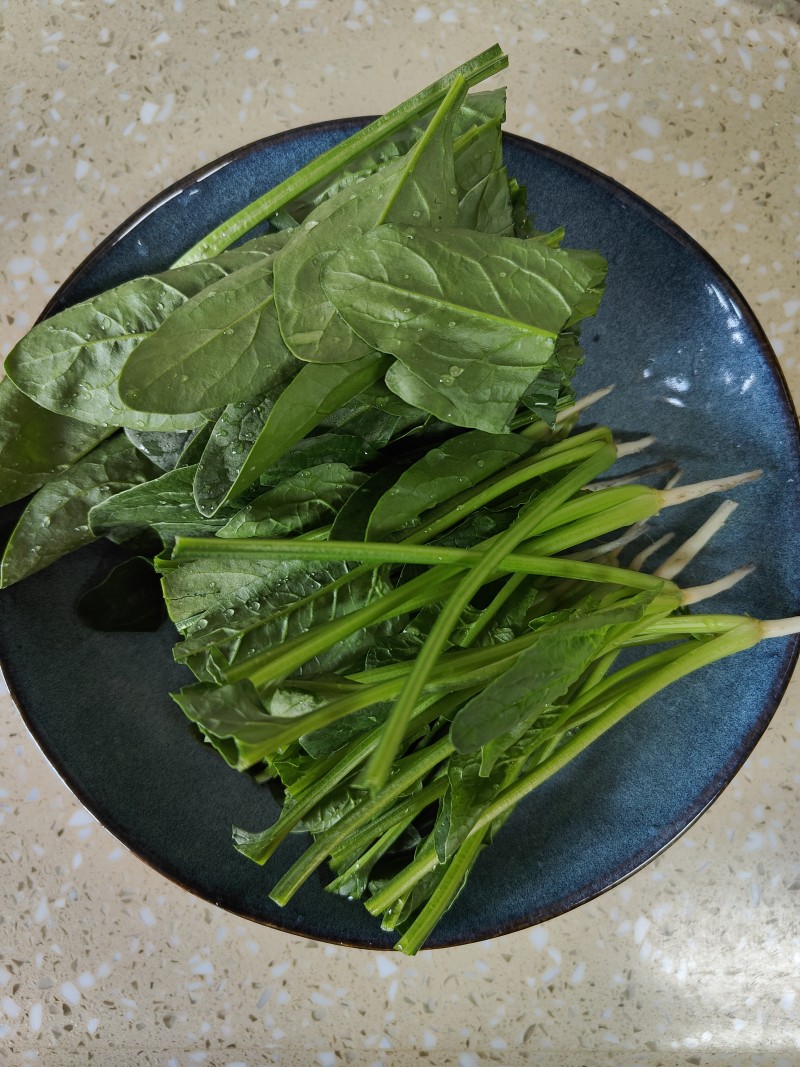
690,364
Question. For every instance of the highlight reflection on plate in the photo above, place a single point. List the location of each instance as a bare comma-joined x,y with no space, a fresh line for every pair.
690,365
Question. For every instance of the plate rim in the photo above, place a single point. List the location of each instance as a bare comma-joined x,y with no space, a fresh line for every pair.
725,775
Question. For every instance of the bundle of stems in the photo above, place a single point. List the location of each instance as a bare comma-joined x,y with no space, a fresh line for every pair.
464,722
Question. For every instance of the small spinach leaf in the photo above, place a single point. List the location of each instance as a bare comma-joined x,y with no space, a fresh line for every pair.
304,500
56,521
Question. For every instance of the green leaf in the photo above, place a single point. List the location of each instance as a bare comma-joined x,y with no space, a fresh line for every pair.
471,317
314,393
163,449
420,185
353,518
320,448
304,500
56,521
227,448
540,676
165,505
484,199
36,444
233,719
71,362
455,465
220,347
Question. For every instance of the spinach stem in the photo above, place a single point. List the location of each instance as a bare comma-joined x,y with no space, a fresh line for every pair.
377,552
379,766
473,71
408,771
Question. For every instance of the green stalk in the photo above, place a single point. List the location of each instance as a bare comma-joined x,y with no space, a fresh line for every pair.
379,552
473,71
409,770
443,895
742,637
379,766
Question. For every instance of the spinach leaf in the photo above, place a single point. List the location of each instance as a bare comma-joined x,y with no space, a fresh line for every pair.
195,445
165,505
163,449
319,448
470,317
71,362
229,444
540,675
417,186
353,518
36,444
56,521
304,500
315,392
484,199
233,719
455,465
220,347
128,600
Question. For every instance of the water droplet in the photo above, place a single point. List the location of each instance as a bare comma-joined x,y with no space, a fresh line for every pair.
451,324
311,223
416,214
201,624
159,306
46,521
184,377
455,371
502,273
453,192
228,332
445,380
395,324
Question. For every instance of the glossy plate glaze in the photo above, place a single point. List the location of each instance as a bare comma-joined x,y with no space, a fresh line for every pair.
690,364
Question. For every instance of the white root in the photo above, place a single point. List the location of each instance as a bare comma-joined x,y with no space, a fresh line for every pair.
685,553
608,547
780,627
584,402
639,560
630,448
695,593
673,481
632,476
683,493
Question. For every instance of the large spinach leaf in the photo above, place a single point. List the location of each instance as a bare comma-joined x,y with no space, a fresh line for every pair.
56,521
220,347
471,317
419,186
71,362
165,505
36,444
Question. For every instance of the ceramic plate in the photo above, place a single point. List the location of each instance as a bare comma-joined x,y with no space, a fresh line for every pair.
690,364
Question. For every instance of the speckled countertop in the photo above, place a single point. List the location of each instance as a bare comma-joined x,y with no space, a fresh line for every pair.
692,103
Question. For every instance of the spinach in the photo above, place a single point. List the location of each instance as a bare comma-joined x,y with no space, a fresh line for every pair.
36,444
164,505
457,464
315,392
304,500
220,347
320,448
163,449
71,362
470,317
417,186
56,521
